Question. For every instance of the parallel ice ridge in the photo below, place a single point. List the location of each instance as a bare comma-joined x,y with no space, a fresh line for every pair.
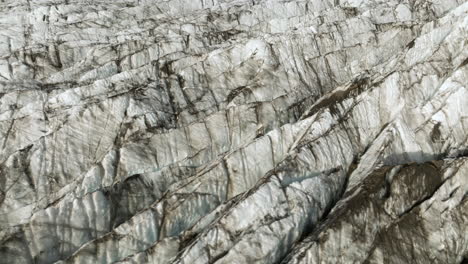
239,131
